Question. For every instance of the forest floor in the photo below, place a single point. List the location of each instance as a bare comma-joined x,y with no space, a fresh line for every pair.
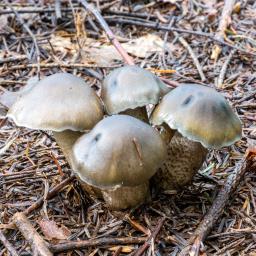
182,41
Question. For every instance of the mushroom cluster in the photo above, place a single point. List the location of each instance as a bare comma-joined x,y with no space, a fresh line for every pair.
115,157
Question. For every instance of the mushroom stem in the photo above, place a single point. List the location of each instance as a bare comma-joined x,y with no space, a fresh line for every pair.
66,140
185,157
139,113
166,133
126,197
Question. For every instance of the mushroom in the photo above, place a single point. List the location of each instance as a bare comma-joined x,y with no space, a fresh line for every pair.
202,118
8,98
127,90
62,103
118,157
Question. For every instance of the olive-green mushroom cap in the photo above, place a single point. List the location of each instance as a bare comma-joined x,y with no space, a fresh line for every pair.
9,98
130,87
199,113
119,151
58,102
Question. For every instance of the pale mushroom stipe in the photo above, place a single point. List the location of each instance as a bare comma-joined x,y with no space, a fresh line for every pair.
203,119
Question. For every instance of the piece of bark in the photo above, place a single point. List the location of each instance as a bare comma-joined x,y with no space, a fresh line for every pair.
38,245
99,242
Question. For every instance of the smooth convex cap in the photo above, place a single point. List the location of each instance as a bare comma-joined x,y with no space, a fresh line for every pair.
199,113
8,98
58,102
119,151
130,87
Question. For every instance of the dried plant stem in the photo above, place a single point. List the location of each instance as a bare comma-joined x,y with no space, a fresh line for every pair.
158,27
58,9
248,163
50,195
108,31
225,18
39,246
7,245
13,59
100,242
151,238
192,54
53,65
224,69
22,22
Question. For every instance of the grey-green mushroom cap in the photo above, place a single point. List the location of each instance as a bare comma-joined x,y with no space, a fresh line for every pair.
119,151
58,102
130,87
199,113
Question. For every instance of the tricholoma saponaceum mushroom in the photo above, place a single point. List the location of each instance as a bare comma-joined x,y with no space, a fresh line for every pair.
119,156
128,89
7,98
202,118
61,103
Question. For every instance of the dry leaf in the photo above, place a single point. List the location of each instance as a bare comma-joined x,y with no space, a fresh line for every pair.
62,44
144,46
94,52
52,231
141,47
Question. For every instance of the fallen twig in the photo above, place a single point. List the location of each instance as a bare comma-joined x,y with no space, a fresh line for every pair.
223,24
224,69
194,243
50,195
225,19
108,31
156,26
53,65
36,10
23,23
151,238
38,245
100,242
114,40
7,245
192,54
58,9
13,59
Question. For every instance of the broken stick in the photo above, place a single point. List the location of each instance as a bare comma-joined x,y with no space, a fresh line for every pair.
151,238
204,228
112,38
96,242
7,245
224,22
225,19
108,31
38,245
50,195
